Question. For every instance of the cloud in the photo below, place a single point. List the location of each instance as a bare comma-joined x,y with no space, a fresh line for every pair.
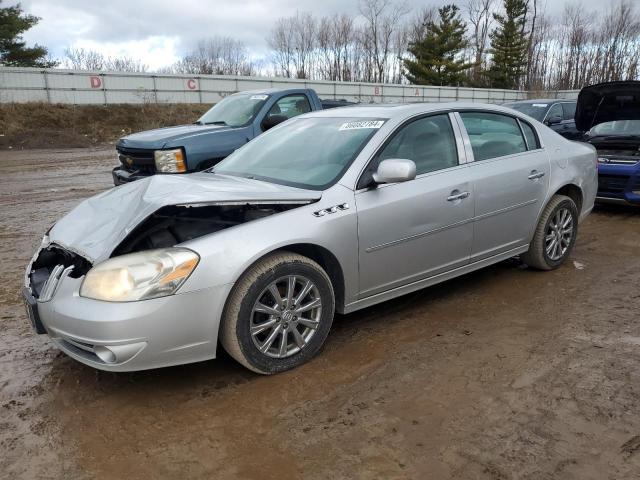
157,32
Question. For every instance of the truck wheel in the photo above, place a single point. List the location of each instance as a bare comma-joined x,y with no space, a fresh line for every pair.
279,313
555,234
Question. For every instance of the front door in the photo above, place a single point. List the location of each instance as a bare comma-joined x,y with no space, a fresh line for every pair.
412,230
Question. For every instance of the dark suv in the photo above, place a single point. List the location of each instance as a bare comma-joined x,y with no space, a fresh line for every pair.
556,114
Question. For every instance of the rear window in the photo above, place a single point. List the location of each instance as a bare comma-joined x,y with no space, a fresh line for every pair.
568,110
493,135
530,135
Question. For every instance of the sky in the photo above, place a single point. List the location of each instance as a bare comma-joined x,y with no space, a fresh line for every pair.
159,32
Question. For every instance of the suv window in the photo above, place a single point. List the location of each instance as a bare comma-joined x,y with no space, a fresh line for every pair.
568,110
556,109
428,141
291,106
493,135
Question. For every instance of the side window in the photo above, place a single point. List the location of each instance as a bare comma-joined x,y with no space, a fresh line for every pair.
291,106
428,141
532,139
568,110
555,110
493,135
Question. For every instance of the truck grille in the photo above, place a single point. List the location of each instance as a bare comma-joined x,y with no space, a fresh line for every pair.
612,183
137,160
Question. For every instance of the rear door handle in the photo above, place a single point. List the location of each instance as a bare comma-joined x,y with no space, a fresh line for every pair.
457,196
535,174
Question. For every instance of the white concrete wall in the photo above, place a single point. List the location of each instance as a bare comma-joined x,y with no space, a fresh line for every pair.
84,87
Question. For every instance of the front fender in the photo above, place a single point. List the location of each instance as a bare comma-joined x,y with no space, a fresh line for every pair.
227,254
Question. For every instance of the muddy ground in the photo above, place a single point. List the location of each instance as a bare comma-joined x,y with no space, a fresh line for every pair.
506,373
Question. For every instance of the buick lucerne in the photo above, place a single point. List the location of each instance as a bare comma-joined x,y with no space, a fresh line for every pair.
330,211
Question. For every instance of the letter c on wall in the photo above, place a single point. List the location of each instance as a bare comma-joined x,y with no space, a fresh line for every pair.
191,84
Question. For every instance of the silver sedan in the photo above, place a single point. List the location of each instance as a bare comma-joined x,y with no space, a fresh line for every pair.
331,211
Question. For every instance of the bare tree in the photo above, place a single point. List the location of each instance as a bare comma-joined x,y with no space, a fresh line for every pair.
281,42
84,59
382,18
216,56
480,16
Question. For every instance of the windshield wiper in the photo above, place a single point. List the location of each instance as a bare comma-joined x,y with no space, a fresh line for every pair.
217,122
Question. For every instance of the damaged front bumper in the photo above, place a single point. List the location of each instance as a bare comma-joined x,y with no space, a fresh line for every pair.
127,336
121,175
619,183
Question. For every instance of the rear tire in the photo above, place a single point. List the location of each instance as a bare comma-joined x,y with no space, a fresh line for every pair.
555,235
278,314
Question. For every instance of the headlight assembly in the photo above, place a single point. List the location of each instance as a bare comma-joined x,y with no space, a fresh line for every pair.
170,161
140,276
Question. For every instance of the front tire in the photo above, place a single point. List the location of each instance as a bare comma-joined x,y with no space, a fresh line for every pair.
555,234
279,313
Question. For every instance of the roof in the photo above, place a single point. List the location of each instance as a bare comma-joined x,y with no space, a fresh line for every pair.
544,100
378,110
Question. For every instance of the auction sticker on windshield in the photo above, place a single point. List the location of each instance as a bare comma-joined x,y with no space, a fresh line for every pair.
362,124
258,97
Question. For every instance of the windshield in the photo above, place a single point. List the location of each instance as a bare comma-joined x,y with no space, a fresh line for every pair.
309,153
534,110
617,127
234,111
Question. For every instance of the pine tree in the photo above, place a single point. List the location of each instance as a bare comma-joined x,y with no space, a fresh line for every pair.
13,50
437,55
509,44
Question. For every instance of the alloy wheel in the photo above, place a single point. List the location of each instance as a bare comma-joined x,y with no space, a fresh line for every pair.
285,316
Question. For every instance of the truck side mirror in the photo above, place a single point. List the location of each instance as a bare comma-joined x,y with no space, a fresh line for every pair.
271,121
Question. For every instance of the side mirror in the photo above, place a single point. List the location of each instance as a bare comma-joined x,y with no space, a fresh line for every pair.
271,121
553,120
394,170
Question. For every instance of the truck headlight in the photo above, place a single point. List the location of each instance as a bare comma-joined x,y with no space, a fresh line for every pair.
170,161
140,276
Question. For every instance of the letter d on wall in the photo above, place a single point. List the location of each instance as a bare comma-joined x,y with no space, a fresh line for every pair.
96,82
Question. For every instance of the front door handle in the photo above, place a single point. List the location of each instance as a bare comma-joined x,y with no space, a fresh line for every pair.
535,175
455,195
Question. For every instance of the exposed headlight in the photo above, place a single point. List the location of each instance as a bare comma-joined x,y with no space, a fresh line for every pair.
170,161
140,276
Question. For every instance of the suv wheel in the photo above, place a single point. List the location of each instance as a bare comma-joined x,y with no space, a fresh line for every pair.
279,313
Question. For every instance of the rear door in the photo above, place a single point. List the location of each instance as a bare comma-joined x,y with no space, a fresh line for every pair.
412,230
510,175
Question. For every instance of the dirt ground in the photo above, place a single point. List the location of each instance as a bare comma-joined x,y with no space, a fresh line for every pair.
506,373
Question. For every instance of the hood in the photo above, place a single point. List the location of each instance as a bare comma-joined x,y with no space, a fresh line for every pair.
160,137
97,225
606,102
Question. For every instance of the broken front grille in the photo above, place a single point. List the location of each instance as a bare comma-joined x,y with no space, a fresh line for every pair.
53,261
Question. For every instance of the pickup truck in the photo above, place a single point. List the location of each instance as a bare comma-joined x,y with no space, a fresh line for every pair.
227,126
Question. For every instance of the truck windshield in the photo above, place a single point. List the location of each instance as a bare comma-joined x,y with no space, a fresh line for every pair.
617,127
310,153
534,110
234,111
